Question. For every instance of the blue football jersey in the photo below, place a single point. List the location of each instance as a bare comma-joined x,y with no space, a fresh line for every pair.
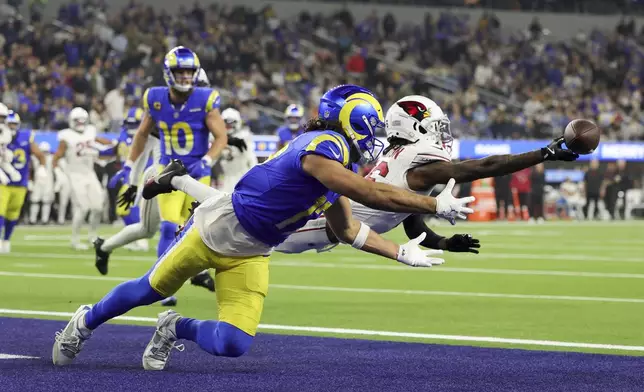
274,199
125,143
182,129
285,134
21,148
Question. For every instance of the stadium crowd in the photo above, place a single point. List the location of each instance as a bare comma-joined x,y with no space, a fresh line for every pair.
261,62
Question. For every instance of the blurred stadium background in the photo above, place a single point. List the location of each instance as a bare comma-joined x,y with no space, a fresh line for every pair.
504,77
509,73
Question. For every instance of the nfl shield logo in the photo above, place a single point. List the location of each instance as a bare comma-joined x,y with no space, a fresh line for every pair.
326,114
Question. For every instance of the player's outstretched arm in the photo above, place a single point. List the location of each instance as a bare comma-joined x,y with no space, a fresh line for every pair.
38,154
360,236
60,152
415,225
380,196
140,139
424,177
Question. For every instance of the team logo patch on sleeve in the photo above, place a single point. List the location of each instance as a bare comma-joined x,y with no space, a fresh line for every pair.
157,106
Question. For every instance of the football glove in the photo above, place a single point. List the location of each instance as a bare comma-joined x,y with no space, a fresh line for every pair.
128,197
554,152
237,142
122,176
197,169
4,179
463,243
412,254
448,207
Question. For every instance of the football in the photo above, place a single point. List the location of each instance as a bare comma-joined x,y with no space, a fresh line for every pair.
582,136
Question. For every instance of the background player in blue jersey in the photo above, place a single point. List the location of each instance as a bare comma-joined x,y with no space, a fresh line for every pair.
235,234
13,194
129,213
184,115
294,126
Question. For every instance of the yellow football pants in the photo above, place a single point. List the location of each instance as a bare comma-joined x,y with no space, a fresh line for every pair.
242,283
11,200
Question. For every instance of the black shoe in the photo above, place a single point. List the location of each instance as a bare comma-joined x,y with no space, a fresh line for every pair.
203,279
102,257
161,183
170,301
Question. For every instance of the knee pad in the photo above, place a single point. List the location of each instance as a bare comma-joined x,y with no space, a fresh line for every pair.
231,341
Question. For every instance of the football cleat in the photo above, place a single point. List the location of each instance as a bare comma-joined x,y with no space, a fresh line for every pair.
157,353
162,182
203,279
79,246
69,341
102,257
170,301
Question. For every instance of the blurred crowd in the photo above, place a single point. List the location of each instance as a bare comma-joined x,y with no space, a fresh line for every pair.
491,82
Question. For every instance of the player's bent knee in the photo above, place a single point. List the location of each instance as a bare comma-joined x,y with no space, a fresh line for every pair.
231,341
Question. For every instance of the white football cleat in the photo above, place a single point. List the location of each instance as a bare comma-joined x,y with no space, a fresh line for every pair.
79,246
156,354
5,247
69,341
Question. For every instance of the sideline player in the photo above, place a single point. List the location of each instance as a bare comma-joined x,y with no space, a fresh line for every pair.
235,234
14,193
234,161
294,126
42,194
80,147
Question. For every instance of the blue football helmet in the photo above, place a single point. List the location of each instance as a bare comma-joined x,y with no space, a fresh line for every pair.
359,113
132,120
13,121
181,58
294,114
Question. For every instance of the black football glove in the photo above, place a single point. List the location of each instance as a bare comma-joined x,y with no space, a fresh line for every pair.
554,152
463,243
128,197
193,207
237,142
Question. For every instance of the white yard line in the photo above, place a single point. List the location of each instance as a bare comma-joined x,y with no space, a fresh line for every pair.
358,289
367,332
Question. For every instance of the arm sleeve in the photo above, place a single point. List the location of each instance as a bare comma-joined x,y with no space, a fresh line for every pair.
415,225
139,165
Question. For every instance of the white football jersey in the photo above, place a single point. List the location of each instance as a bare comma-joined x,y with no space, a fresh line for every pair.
392,169
82,150
235,163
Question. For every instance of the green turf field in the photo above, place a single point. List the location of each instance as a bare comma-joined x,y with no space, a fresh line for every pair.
575,284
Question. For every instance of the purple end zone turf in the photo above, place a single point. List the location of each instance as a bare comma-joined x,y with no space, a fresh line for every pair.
111,361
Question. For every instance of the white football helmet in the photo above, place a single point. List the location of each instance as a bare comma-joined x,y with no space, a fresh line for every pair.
415,118
202,79
45,147
233,119
4,112
78,119
294,114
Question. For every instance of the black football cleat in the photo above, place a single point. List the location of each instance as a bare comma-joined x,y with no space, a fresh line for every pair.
161,183
203,279
102,257
170,301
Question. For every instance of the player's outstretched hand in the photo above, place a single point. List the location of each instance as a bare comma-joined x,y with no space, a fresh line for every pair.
237,142
197,169
448,207
463,243
413,255
554,152
122,176
4,179
128,197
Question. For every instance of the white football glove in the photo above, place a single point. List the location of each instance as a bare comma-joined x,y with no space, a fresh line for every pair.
4,179
448,207
412,255
13,174
41,174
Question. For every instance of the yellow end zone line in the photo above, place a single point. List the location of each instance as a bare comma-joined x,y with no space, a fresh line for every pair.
367,332
360,290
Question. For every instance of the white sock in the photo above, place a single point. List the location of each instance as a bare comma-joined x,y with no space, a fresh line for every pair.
77,221
45,212
194,188
127,235
94,220
33,212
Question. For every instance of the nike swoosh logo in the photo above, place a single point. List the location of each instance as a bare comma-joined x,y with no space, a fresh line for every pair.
334,153
161,176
